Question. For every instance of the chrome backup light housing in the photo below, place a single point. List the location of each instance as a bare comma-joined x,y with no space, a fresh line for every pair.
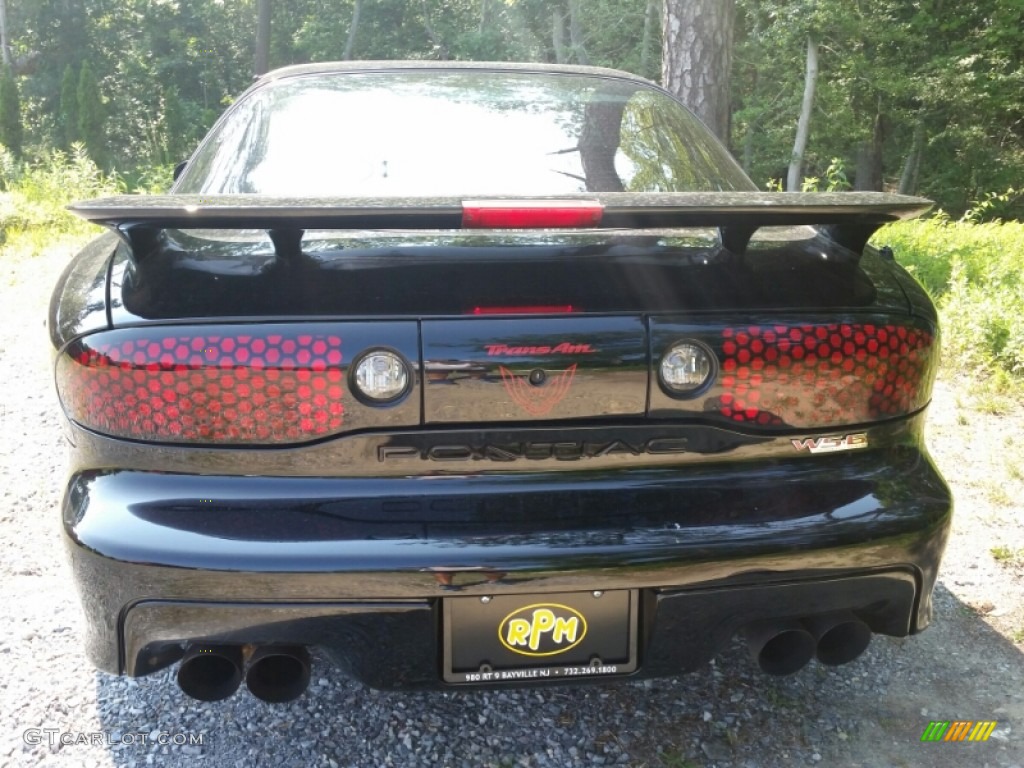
687,369
380,377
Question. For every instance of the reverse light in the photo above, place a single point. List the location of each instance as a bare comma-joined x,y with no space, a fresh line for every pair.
687,368
381,376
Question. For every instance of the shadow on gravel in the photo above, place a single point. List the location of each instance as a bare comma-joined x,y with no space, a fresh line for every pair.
868,713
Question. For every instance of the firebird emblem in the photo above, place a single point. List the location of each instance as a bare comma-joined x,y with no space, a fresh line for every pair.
537,400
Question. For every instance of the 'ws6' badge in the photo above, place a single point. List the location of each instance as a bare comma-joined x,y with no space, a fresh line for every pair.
543,629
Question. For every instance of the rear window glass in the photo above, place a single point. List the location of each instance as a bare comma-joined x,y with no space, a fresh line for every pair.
429,133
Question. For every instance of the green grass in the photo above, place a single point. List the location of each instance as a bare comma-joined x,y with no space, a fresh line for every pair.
34,196
998,495
1007,556
974,272
675,759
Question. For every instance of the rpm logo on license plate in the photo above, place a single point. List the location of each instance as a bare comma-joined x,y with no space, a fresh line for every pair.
542,629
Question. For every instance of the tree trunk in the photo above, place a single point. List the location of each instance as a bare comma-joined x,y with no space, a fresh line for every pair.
646,40
261,60
869,159
803,126
558,36
697,57
579,52
350,43
912,166
748,159
485,15
758,115
5,41
599,141
439,47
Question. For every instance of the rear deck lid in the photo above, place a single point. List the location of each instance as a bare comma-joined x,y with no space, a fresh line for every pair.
547,367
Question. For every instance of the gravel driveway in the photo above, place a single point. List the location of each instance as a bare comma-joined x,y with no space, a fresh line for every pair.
868,713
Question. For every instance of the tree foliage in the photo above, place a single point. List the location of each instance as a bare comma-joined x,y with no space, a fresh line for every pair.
925,96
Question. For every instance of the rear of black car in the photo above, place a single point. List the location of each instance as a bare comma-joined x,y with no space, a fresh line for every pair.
489,375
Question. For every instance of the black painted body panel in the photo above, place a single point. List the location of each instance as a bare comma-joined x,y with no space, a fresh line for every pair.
135,537
478,370
534,454
79,302
193,276
615,487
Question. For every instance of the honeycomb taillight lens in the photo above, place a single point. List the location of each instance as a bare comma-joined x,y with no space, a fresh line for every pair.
224,384
821,375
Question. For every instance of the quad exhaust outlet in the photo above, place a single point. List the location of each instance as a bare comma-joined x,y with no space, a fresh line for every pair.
782,647
278,673
840,637
779,647
211,672
272,673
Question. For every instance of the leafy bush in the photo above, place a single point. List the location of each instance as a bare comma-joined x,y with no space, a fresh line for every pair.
34,195
33,209
152,180
974,273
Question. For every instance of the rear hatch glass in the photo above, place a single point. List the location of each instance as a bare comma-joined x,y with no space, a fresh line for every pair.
410,133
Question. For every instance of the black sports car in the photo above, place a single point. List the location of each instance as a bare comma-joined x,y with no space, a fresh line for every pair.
489,374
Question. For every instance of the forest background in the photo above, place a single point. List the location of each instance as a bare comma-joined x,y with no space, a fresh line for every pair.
916,96
921,96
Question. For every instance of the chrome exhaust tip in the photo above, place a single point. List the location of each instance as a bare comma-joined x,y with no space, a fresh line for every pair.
210,672
779,647
278,673
839,637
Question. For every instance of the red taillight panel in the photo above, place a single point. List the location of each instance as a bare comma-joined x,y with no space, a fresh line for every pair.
803,374
230,385
821,375
285,383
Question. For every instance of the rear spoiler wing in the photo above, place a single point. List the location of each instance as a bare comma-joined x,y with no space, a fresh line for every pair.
848,218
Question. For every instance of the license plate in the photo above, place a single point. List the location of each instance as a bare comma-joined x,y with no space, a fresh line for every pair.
521,638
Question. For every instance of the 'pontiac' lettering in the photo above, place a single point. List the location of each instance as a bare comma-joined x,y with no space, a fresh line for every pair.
567,451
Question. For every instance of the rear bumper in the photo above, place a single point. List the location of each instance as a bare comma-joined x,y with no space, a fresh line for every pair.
397,644
360,566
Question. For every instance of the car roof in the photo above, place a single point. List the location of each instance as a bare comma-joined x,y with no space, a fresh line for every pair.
338,67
